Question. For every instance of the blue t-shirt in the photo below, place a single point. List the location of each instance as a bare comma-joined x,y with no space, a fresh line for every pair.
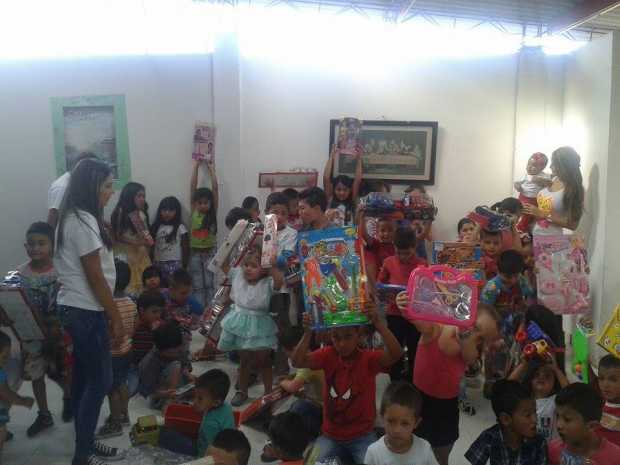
189,308
213,422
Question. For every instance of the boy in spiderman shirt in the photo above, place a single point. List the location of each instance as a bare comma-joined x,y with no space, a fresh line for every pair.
350,389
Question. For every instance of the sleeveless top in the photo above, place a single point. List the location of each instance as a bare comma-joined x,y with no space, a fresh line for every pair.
549,202
437,374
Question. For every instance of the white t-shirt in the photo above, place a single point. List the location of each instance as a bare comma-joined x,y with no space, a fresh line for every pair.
549,202
57,191
81,237
529,188
545,411
420,453
168,251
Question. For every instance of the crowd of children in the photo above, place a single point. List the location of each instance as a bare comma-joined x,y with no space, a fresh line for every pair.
164,286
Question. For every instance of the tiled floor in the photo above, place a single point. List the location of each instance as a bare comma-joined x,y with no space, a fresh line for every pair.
55,446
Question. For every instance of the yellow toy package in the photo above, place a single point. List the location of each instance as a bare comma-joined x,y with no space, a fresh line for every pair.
610,336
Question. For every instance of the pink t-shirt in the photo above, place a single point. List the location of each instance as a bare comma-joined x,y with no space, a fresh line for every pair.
607,454
435,373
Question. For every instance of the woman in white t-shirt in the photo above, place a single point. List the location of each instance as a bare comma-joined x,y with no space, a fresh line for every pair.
85,267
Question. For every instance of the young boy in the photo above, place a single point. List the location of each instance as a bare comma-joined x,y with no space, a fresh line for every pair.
350,388
294,221
396,270
400,408
491,245
289,438
121,357
180,303
513,439
40,283
508,290
579,409
312,206
235,214
151,279
609,382
8,396
230,447
151,304
250,204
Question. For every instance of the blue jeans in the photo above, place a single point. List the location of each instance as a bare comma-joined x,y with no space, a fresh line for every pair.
311,413
355,449
92,372
203,280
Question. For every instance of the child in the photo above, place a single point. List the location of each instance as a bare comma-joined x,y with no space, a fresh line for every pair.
180,303
131,243
342,192
248,327
230,447
544,379
508,290
511,208
40,283
118,396
289,438
468,231
250,204
513,439
171,250
400,408
442,355
350,387
396,270
8,397
491,245
529,187
379,248
312,205
609,383
235,214
203,240
151,304
151,279
294,221
579,409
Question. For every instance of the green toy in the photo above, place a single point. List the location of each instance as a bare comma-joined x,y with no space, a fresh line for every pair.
581,356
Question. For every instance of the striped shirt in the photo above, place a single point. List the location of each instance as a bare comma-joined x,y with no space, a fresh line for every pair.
129,313
142,342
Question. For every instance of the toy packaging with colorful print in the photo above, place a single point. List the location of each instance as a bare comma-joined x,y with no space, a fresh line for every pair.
459,255
610,336
334,283
349,135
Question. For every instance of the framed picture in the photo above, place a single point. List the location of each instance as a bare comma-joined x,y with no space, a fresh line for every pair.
394,151
284,179
95,124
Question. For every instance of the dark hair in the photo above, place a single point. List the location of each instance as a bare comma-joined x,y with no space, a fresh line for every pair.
583,399
510,262
511,205
404,238
216,382
276,198
462,222
486,232
83,194
566,162
150,272
290,337
547,321
210,220
507,395
151,299
168,336
348,202
314,196
291,193
42,228
236,214
180,277
403,394
5,340
415,186
609,361
127,204
289,435
250,203
235,442
173,204
80,156
123,276
533,366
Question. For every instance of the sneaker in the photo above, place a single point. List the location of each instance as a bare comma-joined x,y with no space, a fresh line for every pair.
111,454
67,410
467,408
44,421
109,429
91,460
125,421
239,399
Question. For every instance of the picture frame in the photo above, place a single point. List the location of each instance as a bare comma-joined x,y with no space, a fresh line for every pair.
398,152
285,179
94,123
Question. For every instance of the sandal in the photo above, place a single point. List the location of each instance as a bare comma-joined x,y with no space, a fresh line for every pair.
239,399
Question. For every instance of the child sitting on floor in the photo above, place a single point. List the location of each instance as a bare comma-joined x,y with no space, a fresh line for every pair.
230,447
289,438
151,279
609,382
513,439
151,304
400,408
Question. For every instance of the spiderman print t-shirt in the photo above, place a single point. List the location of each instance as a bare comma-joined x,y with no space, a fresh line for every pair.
348,393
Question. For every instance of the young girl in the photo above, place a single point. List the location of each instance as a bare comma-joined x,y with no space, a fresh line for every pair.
130,226
203,238
342,192
248,327
171,250
468,231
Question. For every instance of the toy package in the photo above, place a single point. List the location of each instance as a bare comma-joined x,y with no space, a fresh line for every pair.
241,237
386,294
418,206
443,295
211,327
349,136
581,356
534,342
459,255
610,336
334,284
562,276
263,405
204,142
288,263
490,220
270,241
410,207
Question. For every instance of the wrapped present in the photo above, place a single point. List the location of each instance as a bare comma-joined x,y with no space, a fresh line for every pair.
270,241
610,336
461,256
334,284
562,276
349,136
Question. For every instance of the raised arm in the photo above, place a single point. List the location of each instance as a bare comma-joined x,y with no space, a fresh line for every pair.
357,181
392,351
327,173
193,185
300,358
214,186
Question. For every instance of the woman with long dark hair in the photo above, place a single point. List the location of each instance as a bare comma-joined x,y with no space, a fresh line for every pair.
85,266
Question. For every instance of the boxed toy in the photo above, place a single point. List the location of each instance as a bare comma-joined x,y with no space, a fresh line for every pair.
334,284
610,336
349,135
459,255
204,142
270,241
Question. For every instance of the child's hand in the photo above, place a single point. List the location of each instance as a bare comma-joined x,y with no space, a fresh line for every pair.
27,402
402,300
370,310
308,322
334,151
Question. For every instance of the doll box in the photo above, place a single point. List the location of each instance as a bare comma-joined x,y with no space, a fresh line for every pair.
610,336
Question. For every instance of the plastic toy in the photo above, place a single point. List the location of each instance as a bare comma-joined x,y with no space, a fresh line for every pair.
490,219
332,276
581,356
460,256
534,342
386,294
211,326
146,430
288,262
610,336
444,295
349,135
270,241
562,276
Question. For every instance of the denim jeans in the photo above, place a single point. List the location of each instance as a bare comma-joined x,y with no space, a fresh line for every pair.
92,372
203,280
355,449
311,413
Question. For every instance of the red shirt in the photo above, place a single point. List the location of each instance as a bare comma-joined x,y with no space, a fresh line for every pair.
610,423
394,271
349,391
490,266
381,250
607,454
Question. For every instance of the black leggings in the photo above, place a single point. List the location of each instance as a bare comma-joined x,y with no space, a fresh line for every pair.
408,336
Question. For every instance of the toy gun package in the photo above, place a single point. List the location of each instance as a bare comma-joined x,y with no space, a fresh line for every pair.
241,237
334,284
459,255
